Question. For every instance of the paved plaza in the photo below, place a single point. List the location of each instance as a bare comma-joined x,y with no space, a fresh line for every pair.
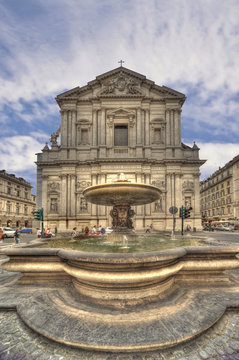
18,341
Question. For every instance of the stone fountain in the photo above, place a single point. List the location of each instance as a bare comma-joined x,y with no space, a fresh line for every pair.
121,303
122,194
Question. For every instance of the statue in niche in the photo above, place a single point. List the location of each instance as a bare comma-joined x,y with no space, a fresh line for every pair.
54,205
158,205
83,205
53,140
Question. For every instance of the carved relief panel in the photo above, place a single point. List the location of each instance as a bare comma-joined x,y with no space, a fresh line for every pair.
119,85
53,197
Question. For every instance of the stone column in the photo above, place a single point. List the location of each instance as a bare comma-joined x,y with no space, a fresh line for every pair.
44,194
168,201
73,195
63,128
131,130
93,206
172,127
69,127
178,127
148,206
68,195
110,133
102,209
139,127
102,127
139,209
147,137
63,195
168,128
99,127
94,128
73,129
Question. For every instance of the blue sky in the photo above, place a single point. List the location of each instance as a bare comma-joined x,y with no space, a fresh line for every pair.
47,47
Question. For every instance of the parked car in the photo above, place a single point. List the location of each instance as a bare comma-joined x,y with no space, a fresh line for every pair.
108,230
26,230
222,228
7,232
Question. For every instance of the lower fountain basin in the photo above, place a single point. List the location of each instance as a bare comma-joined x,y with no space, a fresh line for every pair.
123,279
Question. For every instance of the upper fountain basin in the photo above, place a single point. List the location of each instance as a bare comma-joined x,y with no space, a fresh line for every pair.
122,191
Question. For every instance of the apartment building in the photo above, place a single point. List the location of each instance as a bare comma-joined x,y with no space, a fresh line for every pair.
219,194
16,201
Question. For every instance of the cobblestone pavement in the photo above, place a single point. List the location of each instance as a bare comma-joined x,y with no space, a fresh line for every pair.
18,342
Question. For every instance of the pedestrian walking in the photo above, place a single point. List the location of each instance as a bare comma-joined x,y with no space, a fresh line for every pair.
17,236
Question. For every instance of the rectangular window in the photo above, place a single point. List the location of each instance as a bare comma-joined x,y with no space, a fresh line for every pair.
17,209
9,191
25,210
121,135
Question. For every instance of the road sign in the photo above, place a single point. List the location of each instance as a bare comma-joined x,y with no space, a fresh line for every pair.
173,210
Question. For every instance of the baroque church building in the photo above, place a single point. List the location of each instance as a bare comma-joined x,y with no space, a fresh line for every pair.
120,122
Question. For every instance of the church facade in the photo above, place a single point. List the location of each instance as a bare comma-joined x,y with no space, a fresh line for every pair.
121,122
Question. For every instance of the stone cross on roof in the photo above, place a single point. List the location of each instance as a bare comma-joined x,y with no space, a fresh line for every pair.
121,62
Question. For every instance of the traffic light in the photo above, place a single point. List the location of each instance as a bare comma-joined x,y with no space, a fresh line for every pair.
187,212
182,212
38,214
209,220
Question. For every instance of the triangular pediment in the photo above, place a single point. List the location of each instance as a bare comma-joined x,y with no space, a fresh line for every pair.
120,82
120,112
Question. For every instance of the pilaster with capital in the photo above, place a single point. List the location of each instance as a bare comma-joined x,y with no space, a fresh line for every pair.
63,194
73,195
93,206
73,128
94,127
139,127
148,206
63,128
178,127
102,127
109,131
168,127
44,193
139,209
147,131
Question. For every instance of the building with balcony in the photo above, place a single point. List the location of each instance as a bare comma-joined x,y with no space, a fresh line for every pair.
219,194
16,201
121,122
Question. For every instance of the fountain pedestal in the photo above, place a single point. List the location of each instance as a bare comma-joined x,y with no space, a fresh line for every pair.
122,194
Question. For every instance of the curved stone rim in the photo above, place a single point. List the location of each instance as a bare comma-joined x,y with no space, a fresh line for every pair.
98,194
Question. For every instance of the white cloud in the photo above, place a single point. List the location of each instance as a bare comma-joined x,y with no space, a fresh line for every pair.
18,154
191,46
216,154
